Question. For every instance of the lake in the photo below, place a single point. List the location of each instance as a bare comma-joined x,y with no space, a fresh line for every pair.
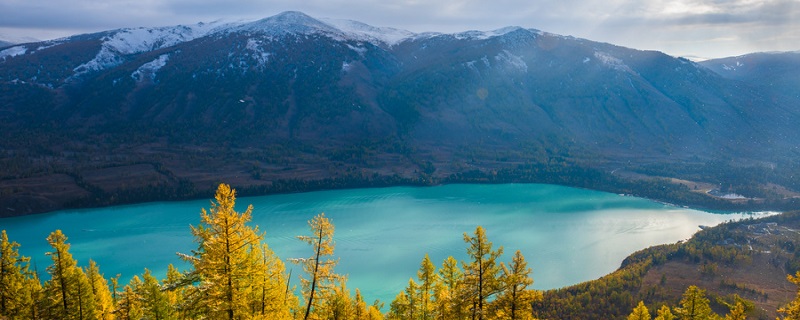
567,235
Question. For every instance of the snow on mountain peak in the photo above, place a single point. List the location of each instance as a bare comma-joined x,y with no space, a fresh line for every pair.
364,32
483,35
286,23
129,41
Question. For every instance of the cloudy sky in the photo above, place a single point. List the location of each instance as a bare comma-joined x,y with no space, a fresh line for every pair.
690,28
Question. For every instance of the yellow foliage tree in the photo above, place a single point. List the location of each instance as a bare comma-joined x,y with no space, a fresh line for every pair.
15,298
481,279
230,262
640,312
319,267
515,300
69,289
665,314
792,311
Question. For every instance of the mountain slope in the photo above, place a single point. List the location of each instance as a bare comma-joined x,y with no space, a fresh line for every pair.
293,98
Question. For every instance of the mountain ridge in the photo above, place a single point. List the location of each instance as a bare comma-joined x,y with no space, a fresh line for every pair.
294,98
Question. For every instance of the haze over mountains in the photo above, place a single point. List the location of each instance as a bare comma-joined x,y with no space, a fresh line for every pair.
293,97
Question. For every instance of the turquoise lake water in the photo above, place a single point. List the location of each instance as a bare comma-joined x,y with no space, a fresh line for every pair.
567,235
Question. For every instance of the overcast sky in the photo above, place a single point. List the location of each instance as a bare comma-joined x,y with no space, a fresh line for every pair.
690,28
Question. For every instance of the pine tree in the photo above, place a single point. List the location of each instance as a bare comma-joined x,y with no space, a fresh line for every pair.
695,305
15,298
640,312
481,274
664,314
515,300
319,267
227,259
428,280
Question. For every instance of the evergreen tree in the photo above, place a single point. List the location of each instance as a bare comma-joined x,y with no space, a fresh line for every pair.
319,268
15,298
515,300
481,275
695,305
640,312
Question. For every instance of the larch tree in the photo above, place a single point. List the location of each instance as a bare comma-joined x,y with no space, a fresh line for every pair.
155,301
362,311
271,298
412,311
398,309
640,312
792,310
321,279
339,305
129,306
694,305
175,289
69,289
104,303
481,274
428,280
737,312
448,301
515,300
227,259
15,300
664,314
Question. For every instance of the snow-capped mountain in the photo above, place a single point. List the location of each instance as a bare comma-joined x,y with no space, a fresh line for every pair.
294,96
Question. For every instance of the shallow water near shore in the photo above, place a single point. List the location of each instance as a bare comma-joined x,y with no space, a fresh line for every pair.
567,235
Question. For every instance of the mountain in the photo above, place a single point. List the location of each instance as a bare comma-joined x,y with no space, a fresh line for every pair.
291,102
775,72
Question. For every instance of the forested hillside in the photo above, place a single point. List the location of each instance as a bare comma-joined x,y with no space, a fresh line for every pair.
294,103
737,269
